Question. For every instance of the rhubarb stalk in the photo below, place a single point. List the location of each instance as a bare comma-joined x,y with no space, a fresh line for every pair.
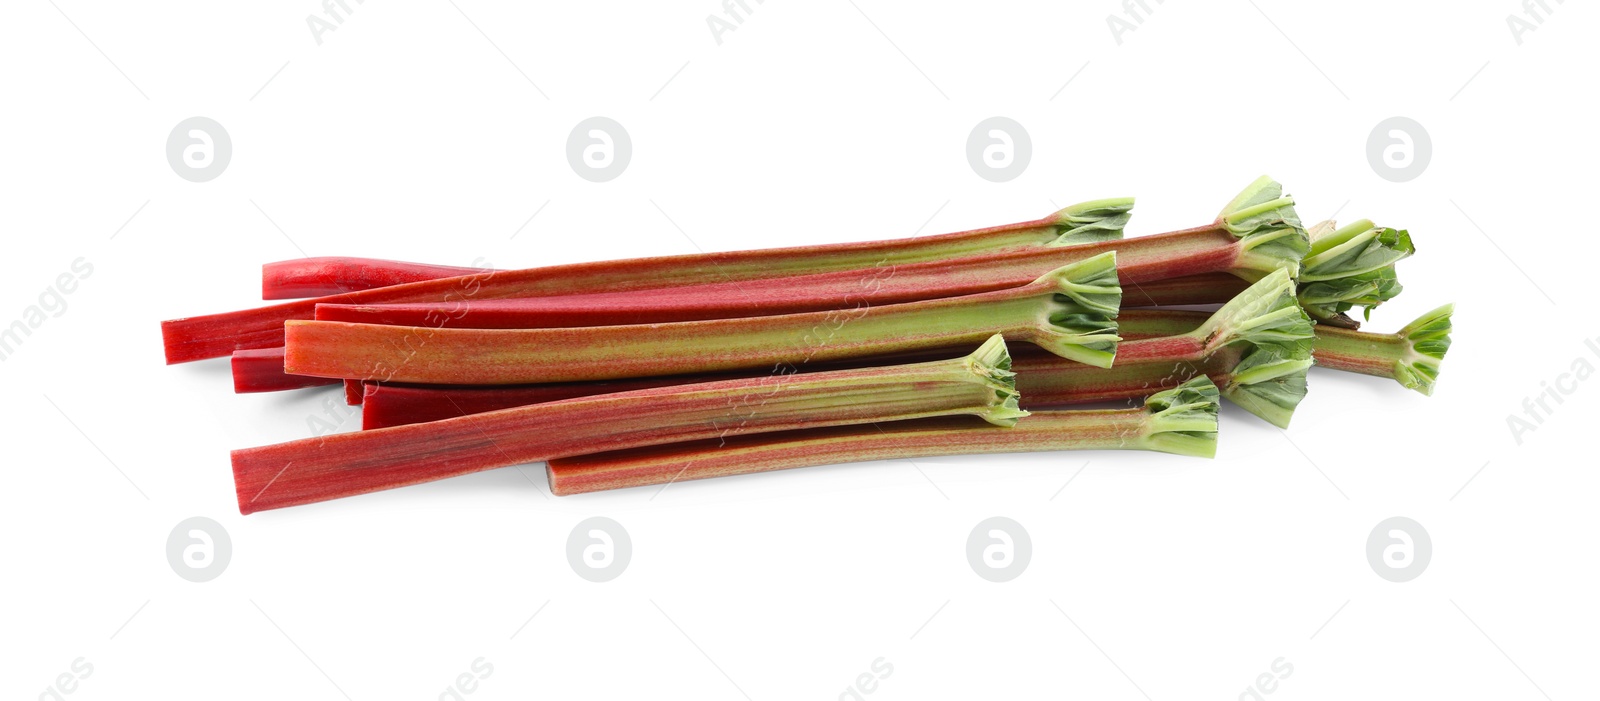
1346,267
331,275
1265,312
1261,326
1069,312
261,370
1410,357
347,464
1256,234
1182,420
215,335
399,404
1257,348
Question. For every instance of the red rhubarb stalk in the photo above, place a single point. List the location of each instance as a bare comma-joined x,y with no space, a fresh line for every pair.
1068,311
400,404
1208,288
215,335
1247,247
354,392
347,464
331,275
1182,421
1138,260
261,370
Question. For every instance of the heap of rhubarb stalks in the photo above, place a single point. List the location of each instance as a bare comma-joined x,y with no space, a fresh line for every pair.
655,370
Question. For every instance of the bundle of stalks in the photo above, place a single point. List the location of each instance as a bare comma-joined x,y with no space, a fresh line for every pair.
643,371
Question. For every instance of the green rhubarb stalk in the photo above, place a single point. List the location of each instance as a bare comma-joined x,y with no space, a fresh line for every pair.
1257,348
1182,421
1351,266
1069,312
346,464
1411,357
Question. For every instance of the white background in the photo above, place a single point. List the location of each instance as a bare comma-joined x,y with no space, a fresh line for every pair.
410,134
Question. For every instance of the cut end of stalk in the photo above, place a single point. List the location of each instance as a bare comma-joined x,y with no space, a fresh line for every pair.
991,363
1266,313
1270,378
1269,382
1261,203
1429,339
1328,300
1354,249
1183,420
1093,221
1352,266
1080,321
1265,222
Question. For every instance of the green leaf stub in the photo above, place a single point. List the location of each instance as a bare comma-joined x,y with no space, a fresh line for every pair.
1275,337
1183,420
1260,204
1269,229
1352,266
1359,253
1079,321
1327,300
1093,221
991,365
1429,340
1269,382
1264,313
